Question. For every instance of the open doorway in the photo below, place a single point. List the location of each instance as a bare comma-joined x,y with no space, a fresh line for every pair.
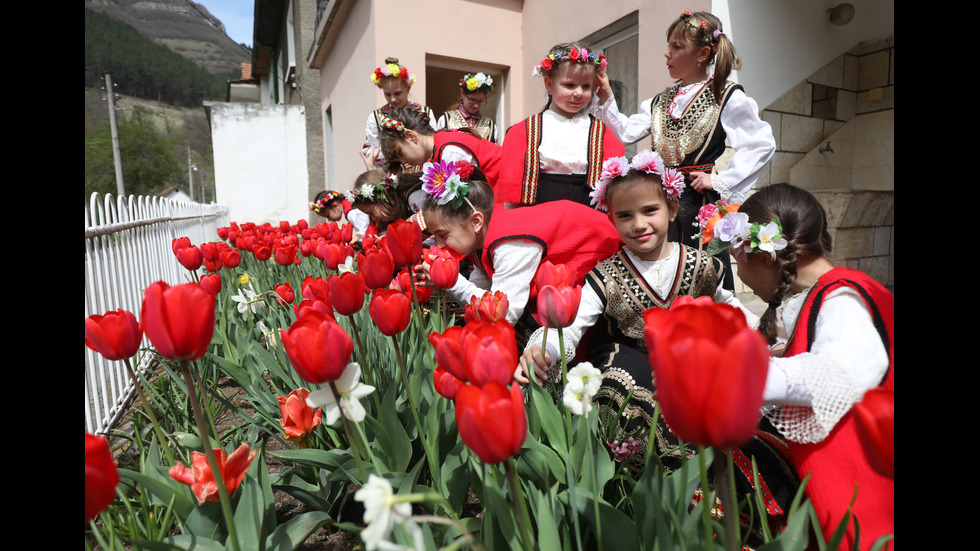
442,76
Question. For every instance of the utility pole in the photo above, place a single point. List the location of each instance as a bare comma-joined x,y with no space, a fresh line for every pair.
116,155
190,176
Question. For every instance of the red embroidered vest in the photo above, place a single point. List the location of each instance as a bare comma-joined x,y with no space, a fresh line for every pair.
488,154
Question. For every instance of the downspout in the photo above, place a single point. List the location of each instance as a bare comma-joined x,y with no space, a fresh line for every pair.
275,75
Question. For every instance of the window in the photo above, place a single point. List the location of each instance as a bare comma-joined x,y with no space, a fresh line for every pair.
619,41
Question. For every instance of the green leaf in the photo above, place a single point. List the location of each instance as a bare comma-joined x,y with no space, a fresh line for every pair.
618,530
551,419
294,532
163,491
191,542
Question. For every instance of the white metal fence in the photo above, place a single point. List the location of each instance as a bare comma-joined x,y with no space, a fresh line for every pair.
128,247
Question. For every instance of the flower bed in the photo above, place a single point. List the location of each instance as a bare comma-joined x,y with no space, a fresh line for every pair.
355,392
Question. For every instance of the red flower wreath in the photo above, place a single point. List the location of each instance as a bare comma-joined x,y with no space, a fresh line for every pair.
573,55
546,64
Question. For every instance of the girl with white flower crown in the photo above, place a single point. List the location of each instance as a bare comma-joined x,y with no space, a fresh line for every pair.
507,246
841,344
558,152
689,122
641,197
396,83
474,89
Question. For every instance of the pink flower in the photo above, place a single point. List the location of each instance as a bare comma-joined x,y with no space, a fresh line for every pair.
673,182
614,166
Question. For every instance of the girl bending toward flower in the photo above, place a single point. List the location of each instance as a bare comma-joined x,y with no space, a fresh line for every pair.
841,344
507,245
558,153
649,271
385,197
407,138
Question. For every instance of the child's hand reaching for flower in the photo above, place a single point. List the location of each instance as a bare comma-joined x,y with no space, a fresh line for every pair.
533,357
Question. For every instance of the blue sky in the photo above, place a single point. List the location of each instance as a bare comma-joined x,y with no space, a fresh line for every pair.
237,16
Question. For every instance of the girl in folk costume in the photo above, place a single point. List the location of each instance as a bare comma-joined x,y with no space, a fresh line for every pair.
688,123
507,245
473,93
841,344
396,83
407,138
558,153
648,271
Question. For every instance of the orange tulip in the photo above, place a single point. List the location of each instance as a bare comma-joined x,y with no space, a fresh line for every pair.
709,370
298,418
489,307
200,478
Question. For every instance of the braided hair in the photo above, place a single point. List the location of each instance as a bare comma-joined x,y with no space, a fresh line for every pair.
804,226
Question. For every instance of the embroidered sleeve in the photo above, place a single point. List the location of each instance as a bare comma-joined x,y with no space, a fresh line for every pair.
754,146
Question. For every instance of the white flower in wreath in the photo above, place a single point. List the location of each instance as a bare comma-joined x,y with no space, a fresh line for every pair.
770,239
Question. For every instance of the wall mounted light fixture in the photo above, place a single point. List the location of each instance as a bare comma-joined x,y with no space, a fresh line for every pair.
841,14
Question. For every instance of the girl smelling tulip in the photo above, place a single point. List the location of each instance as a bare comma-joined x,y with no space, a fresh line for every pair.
506,246
647,271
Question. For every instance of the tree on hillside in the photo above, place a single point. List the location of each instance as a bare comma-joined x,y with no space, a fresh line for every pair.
150,157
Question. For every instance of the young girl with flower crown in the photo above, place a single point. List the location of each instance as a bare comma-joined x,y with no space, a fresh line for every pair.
641,198
841,344
507,246
407,138
396,83
473,92
689,122
334,206
558,153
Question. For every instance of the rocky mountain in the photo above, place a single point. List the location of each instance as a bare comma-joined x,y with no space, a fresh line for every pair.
184,26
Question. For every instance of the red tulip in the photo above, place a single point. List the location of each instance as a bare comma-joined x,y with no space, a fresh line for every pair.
211,284
446,384
448,350
212,266
223,232
346,233
874,417
555,274
489,352
346,292
230,258
285,254
305,249
709,369
178,320
404,241
210,251
200,478
491,420
322,306
315,288
391,311
285,293
318,347
558,305
404,283
101,476
377,268
262,251
333,254
190,257
115,335
489,307
444,272
298,418
180,243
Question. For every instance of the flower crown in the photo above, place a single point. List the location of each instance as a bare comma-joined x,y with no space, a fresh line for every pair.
644,161
575,55
479,81
392,70
373,192
321,204
443,180
722,226
702,27
392,124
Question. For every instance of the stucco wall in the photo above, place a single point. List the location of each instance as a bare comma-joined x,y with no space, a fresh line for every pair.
260,161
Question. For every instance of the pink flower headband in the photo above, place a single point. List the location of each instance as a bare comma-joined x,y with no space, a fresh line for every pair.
702,26
443,180
645,161
392,70
575,55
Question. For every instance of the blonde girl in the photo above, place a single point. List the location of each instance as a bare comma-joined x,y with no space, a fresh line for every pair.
396,82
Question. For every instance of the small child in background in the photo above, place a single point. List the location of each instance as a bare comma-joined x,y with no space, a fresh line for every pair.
558,153
396,83
473,92
333,206
841,324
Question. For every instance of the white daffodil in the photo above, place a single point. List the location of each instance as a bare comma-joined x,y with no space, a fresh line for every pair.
381,511
583,383
347,266
247,299
350,389
770,239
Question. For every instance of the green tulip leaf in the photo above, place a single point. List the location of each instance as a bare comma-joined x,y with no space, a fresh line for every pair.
295,531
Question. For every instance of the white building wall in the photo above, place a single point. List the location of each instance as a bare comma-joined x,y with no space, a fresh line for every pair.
260,161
